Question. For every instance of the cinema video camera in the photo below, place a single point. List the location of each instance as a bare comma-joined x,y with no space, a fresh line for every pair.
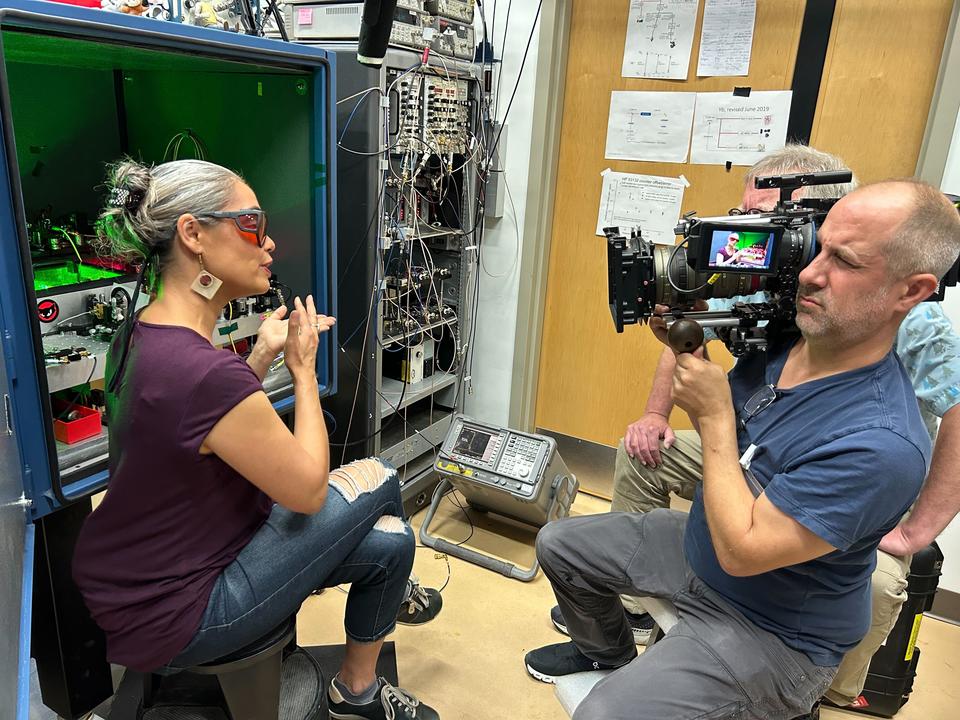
725,257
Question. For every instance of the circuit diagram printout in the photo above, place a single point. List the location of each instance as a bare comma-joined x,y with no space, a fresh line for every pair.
739,130
647,202
652,126
659,39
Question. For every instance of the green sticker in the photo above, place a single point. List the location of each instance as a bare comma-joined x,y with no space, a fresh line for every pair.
259,89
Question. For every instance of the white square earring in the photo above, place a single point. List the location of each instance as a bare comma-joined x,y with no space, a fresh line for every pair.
206,284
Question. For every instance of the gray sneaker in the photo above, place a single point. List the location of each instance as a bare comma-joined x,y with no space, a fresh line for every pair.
641,625
391,703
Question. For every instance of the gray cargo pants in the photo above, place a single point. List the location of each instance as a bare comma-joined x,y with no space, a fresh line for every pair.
640,489
714,664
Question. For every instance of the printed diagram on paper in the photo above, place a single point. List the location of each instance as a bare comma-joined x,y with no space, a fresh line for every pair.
651,126
739,130
659,38
649,202
739,133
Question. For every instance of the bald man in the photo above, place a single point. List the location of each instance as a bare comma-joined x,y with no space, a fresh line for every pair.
772,585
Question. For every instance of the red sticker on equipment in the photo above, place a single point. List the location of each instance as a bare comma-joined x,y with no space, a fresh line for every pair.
48,311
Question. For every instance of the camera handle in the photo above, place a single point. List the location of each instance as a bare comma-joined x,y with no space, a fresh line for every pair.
684,335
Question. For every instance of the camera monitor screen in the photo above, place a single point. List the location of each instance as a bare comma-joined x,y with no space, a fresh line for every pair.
744,250
474,444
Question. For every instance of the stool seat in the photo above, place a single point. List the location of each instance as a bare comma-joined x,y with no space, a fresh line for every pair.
278,636
664,614
572,689
249,678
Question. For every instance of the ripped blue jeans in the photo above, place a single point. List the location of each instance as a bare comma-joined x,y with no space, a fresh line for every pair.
358,537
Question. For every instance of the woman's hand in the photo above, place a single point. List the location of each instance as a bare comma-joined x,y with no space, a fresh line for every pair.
272,335
303,337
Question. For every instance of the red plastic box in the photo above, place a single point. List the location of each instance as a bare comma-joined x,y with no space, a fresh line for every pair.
85,426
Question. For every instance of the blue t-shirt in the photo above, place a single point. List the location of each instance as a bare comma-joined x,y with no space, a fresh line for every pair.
845,456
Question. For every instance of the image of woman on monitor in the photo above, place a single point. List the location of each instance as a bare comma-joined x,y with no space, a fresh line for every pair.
728,254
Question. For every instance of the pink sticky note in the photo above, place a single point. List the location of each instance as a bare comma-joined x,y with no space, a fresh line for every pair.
305,16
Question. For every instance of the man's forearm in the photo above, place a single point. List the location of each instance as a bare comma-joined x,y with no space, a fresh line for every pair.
660,400
727,499
939,500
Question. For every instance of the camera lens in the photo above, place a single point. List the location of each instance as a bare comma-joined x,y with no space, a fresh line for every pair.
679,284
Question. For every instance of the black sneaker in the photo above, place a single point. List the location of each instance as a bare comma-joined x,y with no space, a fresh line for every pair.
641,625
421,607
391,703
552,661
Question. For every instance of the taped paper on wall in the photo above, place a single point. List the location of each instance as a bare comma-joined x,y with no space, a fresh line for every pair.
659,38
646,201
739,130
726,39
653,126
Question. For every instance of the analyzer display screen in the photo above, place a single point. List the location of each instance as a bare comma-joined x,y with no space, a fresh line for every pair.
474,444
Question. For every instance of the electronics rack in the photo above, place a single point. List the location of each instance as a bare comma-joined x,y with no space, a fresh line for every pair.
444,26
407,268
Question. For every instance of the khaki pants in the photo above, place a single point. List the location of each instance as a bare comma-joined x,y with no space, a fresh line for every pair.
640,489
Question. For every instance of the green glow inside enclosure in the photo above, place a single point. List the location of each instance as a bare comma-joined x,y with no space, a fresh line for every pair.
78,104
69,273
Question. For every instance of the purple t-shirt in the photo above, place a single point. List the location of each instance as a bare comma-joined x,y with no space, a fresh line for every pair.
172,519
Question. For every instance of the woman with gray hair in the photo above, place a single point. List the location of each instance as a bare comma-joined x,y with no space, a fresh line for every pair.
219,521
